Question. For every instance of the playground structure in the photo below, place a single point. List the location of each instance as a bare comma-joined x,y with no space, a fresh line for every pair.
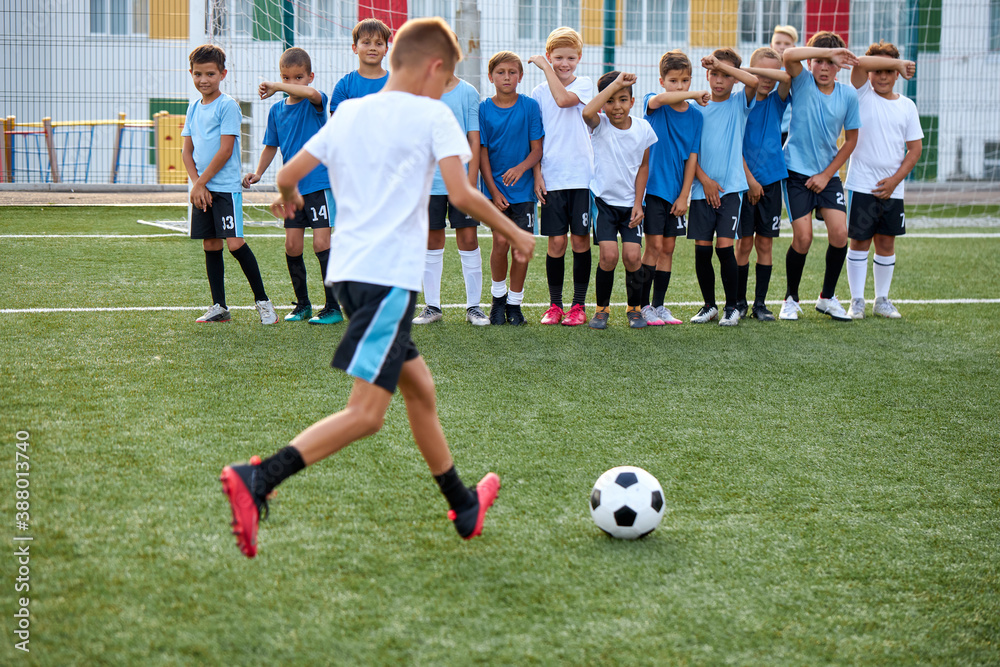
143,151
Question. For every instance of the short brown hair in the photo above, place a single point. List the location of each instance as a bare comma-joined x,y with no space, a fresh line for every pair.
420,39
826,40
674,60
764,52
728,55
501,57
373,28
564,37
208,53
296,57
883,48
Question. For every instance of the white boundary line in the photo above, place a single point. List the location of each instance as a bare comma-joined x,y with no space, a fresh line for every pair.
449,306
915,235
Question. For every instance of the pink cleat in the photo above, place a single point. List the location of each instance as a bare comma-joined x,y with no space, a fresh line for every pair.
576,316
486,492
553,315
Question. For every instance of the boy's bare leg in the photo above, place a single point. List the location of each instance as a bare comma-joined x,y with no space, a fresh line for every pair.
417,387
360,418
498,258
518,272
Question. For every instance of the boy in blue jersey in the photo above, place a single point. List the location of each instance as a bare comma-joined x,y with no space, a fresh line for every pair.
463,100
672,163
784,38
765,169
510,131
380,153
717,195
371,42
211,156
822,108
290,123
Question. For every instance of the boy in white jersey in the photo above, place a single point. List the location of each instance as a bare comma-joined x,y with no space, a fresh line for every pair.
562,179
889,145
380,152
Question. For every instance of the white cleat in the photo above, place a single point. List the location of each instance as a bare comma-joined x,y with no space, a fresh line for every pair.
790,309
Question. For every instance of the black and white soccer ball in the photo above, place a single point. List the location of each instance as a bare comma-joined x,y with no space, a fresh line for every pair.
627,502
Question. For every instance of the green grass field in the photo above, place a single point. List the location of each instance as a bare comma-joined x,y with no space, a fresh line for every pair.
832,490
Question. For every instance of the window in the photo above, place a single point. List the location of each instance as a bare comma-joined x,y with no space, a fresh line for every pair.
443,8
991,161
537,18
661,22
325,19
758,18
234,18
994,25
119,17
872,20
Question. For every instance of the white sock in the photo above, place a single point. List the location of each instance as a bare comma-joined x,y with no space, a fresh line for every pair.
498,289
515,298
857,272
433,266
882,269
472,270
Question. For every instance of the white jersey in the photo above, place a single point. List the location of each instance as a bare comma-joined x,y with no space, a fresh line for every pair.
886,126
381,151
567,155
617,158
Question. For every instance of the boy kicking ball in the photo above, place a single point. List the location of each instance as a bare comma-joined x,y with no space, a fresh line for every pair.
380,152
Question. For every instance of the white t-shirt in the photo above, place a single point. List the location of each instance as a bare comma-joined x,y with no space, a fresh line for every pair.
617,157
886,126
567,155
381,151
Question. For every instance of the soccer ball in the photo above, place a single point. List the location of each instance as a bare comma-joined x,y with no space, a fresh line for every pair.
627,502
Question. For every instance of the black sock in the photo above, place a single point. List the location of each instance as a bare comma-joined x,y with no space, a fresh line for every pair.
633,282
277,468
729,272
459,496
763,282
647,272
244,255
742,278
297,272
216,271
706,274
604,281
794,264
661,281
834,265
555,272
324,260
581,276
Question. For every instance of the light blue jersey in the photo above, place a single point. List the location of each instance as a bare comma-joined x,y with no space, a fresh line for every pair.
721,152
205,124
816,123
463,100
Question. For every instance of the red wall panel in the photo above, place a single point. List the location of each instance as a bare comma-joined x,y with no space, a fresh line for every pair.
832,15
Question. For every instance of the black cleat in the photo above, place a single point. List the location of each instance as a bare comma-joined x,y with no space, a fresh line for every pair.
498,314
760,312
514,315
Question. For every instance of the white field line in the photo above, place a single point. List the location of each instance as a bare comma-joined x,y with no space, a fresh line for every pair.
915,235
448,306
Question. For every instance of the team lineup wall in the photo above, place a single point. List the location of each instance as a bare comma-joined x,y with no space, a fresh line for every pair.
58,63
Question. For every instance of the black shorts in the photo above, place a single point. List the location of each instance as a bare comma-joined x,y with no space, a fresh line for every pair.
867,215
566,211
704,222
377,341
764,217
523,215
800,201
440,207
613,220
658,221
222,220
317,212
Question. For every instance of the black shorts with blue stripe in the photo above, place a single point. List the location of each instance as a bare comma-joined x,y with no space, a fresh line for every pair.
377,341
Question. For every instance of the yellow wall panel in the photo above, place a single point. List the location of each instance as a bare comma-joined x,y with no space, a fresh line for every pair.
592,20
168,19
713,23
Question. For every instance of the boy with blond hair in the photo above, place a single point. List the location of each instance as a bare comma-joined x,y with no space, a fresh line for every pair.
370,39
889,144
823,107
673,160
211,156
562,180
717,195
290,123
760,218
380,152
510,132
